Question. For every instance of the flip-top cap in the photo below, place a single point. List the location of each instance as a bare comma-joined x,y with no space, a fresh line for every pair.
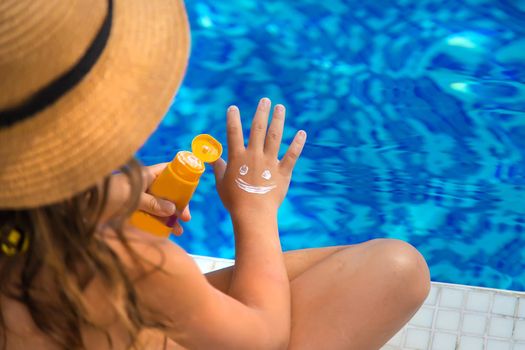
206,148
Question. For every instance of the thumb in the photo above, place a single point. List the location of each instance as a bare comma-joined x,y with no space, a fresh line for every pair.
219,168
150,173
156,206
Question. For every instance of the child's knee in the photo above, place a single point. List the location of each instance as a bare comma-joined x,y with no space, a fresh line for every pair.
404,267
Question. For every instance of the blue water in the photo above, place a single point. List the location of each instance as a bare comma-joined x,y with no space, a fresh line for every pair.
415,119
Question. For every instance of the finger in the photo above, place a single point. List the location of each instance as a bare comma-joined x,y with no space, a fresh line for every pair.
275,131
156,169
219,168
185,214
293,152
177,229
156,206
234,131
259,124
150,173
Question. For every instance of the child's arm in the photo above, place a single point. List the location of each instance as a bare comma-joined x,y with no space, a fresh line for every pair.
252,187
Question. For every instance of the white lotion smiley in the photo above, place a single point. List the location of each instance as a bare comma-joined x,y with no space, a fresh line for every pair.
243,170
243,185
267,175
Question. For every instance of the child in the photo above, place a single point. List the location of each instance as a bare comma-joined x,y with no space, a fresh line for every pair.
83,84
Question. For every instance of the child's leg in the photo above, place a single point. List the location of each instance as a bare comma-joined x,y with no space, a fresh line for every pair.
351,297
296,261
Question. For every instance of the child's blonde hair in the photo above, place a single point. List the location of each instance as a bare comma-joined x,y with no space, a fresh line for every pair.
66,253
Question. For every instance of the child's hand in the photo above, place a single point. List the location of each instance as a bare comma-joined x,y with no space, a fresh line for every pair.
119,192
254,179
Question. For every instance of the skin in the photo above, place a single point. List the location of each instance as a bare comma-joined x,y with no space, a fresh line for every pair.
343,297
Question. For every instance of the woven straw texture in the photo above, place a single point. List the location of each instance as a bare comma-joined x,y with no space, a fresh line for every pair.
100,123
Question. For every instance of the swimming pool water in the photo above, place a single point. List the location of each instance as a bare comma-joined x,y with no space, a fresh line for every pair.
415,119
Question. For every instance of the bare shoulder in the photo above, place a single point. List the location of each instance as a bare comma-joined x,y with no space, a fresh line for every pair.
166,278
172,292
158,261
149,247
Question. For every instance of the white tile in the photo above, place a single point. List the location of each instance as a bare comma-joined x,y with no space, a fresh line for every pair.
220,264
494,344
478,301
519,331
451,298
504,305
519,346
444,341
470,343
447,320
501,327
205,265
432,296
423,318
396,339
474,323
417,339
521,310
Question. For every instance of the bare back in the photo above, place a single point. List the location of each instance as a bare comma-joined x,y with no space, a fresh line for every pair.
23,333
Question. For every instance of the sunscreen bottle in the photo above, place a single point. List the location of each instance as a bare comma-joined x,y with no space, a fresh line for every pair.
178,181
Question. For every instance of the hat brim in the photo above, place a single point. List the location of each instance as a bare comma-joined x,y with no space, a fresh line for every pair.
99,124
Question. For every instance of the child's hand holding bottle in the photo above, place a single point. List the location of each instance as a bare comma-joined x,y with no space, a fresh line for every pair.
119,191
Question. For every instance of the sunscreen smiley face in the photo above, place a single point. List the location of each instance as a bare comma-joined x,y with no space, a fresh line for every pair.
245,186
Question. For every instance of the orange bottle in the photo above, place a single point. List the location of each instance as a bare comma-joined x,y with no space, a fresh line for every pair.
178,181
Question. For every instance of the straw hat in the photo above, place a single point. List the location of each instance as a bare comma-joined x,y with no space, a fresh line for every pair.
83,83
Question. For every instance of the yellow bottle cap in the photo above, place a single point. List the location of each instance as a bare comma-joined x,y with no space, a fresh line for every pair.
206,148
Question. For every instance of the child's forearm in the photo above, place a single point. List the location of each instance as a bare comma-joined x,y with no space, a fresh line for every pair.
259,278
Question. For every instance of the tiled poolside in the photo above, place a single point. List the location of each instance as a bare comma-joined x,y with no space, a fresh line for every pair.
453,317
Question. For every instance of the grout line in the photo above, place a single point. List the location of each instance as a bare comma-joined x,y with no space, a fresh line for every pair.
489,319
515,321
403,337
434,317
463,308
